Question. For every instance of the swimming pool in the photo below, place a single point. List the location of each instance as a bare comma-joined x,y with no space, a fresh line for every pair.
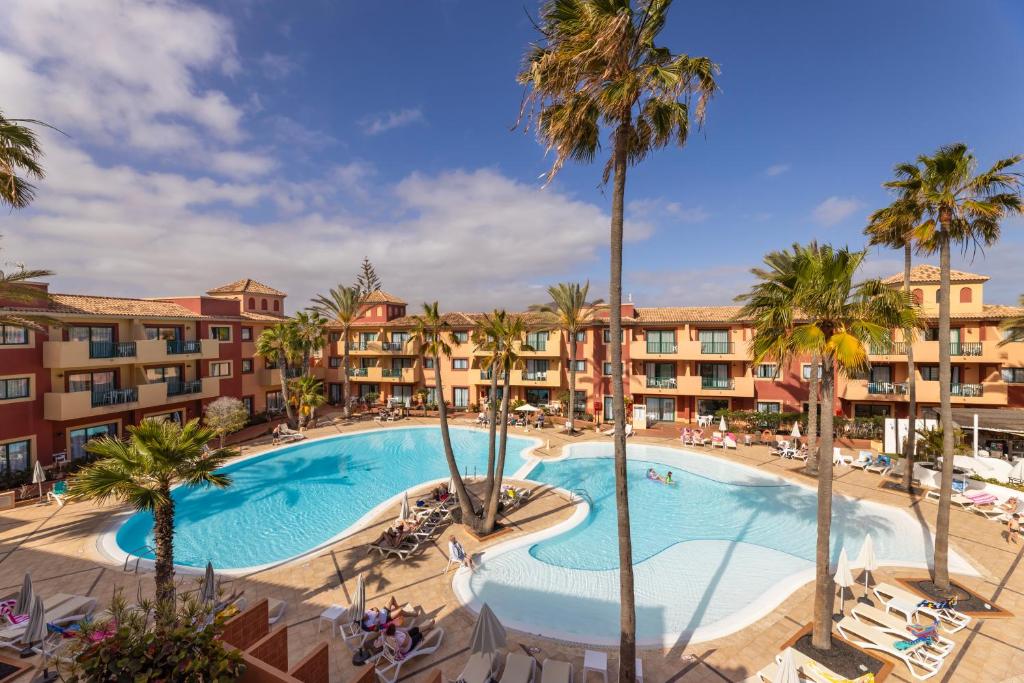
719,549
292,500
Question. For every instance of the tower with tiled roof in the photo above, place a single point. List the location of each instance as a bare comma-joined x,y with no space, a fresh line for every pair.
255,296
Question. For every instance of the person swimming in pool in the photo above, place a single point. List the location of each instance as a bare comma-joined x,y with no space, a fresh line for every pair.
668,478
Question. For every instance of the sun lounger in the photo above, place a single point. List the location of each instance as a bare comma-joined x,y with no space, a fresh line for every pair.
519,668
921,663
887,621
729,441
479,668
402,552
555,671
864,458
275,610
896,471
58,607
611,432
838,458
286,434
58,494
389,666
880,465
811,669
957,499
909,604
716,440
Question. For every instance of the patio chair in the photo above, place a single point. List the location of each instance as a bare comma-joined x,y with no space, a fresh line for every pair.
519,668
910,605
717,440
390,665
887,621
58,494
864,458
918,660
555,671
59,607
729,441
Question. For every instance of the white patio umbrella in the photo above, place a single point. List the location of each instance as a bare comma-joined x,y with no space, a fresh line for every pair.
527,408
867,559
358,605
38,477
25,596
208,591
787,672
721,424
35,632
843,577
488,634
796,430
403,513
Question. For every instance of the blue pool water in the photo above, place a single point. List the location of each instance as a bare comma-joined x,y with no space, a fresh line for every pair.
718,549
287,502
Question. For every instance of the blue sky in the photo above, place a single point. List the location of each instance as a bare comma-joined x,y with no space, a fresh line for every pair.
283,141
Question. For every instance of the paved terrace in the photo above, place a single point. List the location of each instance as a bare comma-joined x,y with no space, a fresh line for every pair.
58,546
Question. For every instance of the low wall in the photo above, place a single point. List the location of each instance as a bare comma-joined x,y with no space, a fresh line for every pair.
266,653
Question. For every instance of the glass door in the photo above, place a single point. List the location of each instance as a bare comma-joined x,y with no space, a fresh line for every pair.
661,409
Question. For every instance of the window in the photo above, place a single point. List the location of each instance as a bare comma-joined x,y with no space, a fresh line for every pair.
1013,375
428,363
247,402
77,438
277,305
461,395
714,376
154,332
221,369
246,334
608,335
220,333
581,336
608,413
333,337
246,366
431,396
168,373
536,369
97,382
870,410
769,370
460,363
263,304
14,388
918,296
965,295
661,341
579,365
606,369
537,397
769,407
881,374
399,338
334,362
14,456
460,337
252,303
538,341
91,333
274,401
366,338
11,335
580,405
938,295
929,373
714,341
805,371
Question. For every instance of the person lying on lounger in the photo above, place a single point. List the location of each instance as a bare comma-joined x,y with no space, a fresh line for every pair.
391,537
378,618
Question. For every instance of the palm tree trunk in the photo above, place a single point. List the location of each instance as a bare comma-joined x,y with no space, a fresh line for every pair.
945,419
493,411
911,447
627,606
344,374
813,456
824,590
572,379
289,411
163,534
492,500
465,504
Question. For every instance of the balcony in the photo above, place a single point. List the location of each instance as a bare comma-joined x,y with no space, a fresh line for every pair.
387,375
692,385
74,405
967,390
657,348
533,378
177,347
179,388
81,354
661,383
114,397
965,349
890,349
717,348
727,383
886,388
112,349
928,352
358,372
985,393
392,347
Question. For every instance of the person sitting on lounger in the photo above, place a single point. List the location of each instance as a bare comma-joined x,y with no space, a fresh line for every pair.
441,493
399,640
455,550
378,618
391,537
1013,529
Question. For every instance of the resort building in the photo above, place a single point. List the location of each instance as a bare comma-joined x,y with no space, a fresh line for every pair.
108,362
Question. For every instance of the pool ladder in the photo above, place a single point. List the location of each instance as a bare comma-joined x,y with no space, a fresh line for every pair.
138,558
582,494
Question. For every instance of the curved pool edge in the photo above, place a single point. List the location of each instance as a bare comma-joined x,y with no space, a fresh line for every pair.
764,605
107,545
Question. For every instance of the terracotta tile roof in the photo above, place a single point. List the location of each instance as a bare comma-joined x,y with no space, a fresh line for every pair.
263,317
687,314
116,306
381,297
246,285
926,273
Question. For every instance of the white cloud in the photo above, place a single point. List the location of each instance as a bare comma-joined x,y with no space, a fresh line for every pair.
277,66
776,169
715,285
835,210
375,125
242,164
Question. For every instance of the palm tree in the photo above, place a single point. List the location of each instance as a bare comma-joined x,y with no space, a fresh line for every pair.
310,329
806,302
140,471
893,226
278,345
597,64
307,394
343,304
429,330
1014,327
488,333
19,153
957,206
16,288
569,311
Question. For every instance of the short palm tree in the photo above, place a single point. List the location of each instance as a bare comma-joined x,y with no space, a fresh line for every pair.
597,64
1014,327
307,394
810,305
310,332
569,311
277,344
957,206
16,288
488,334
893,227
140,471
343,305
431,331
20,153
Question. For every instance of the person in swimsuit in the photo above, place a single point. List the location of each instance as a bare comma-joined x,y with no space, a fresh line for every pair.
1013,529
668,478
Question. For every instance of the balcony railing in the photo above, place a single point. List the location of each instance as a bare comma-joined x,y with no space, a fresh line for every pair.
886,388
361,346
293,373
391,372
716,347
175,346
965,349
662,347
112,349
178,387
535,375
112,397
661,382
392,346
890,349
358,372
967,390
717,383
538,344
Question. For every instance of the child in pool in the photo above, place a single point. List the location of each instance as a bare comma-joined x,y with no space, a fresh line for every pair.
668,478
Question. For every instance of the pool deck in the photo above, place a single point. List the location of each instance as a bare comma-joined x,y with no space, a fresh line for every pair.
58,546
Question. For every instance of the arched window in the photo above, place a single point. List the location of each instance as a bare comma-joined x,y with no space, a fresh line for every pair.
263,304
252,302
965,295
277,305
918,296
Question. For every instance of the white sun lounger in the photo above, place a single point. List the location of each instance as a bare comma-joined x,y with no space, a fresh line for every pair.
479,668
519,668
811,671
897,599
921,663
62,607
864,458
556,671
887,621
389,667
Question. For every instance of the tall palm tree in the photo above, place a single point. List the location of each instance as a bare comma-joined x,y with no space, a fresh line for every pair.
569,311
893,227
307,394
343,304
1014,327
20,153
140,471
278,345
430,330
962,207
488,334
597,64
16,288
806,302
310,330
